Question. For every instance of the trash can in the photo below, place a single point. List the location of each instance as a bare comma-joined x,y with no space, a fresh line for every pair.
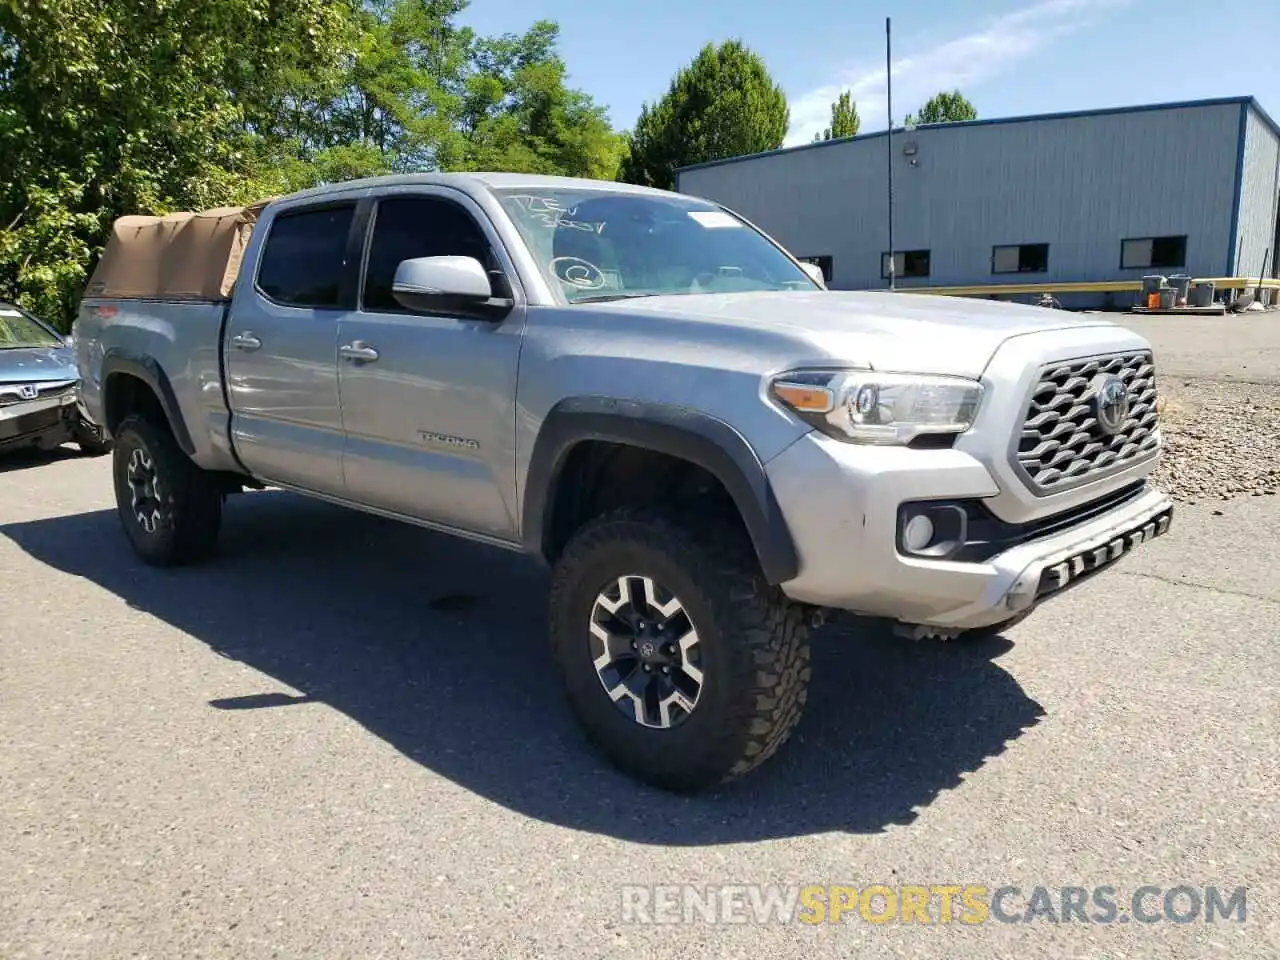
1201,294
1180,284
1168,298
1151,287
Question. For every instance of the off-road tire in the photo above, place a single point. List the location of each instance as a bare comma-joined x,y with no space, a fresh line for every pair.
755,646
190,502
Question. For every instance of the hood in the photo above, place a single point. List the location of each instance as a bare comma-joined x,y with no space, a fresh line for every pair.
912,332
34,364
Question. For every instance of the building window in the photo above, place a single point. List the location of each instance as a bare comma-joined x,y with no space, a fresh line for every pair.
1144,252
906,263
1020,258
825,263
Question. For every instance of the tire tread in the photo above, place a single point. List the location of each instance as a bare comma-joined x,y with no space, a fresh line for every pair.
771,688
195,501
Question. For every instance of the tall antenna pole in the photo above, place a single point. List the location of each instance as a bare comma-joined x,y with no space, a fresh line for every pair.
888,85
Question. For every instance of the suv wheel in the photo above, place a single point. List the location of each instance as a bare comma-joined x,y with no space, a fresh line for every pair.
681,664
170,508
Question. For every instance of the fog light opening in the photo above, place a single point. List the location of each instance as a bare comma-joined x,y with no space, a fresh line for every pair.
934,531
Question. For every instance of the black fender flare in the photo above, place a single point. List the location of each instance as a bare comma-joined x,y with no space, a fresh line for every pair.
150,372
663,428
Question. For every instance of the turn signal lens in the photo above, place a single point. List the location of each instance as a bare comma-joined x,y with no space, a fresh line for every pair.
804,399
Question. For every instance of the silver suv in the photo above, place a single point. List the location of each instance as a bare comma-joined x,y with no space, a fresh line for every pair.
643,391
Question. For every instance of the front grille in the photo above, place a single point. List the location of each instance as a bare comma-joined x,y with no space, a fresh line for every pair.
1062,444
10,395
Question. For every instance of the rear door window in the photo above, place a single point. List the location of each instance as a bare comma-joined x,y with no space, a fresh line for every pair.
304,258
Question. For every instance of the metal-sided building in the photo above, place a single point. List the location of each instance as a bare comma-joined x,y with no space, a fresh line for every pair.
1104,195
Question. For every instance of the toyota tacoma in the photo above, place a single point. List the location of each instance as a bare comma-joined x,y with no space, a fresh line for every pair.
644,392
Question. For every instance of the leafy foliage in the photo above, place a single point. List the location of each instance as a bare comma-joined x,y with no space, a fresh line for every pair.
845,121
110,107
134,105
518,114
723,104
945,107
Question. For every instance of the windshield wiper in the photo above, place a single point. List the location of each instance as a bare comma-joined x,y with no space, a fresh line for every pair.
606,297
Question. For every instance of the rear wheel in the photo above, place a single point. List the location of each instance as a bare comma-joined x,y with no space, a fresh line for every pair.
684,668
170,509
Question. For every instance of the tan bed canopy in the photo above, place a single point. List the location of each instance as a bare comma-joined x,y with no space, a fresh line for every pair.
182,256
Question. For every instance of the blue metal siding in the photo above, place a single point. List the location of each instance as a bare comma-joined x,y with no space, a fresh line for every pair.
1259,196
1080,183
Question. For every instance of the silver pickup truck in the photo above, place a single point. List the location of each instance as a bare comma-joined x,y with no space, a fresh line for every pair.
646,393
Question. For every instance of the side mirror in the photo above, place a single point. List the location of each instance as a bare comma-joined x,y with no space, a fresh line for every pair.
815,273
442,285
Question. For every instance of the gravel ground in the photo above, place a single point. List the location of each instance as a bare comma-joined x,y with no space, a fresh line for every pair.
1222,438
1219,380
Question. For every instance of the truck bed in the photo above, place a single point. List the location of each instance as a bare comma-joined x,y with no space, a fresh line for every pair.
175,342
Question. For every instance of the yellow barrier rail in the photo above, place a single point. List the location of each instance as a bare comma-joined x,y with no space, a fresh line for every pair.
1083,286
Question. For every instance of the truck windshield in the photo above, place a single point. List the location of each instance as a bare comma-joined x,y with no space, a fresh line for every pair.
17,330
609,245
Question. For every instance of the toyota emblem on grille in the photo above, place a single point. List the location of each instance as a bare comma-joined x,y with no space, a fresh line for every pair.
1111,404
28,391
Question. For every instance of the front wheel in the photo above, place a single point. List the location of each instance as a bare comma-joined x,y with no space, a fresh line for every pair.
682,665
170,509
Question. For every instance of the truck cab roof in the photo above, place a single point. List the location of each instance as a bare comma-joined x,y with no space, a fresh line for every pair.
470,182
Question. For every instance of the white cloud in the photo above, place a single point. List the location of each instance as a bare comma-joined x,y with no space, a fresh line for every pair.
962,62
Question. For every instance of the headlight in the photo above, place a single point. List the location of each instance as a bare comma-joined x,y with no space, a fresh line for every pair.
864,406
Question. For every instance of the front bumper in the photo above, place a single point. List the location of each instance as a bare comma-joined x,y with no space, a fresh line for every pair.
46,423
841,503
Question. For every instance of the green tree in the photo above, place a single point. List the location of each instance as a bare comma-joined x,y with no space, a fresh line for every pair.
946,107
398,97
723,104
844,119
110,107
123,106
518,113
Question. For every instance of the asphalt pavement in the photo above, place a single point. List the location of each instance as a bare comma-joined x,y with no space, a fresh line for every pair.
1243,347
343,738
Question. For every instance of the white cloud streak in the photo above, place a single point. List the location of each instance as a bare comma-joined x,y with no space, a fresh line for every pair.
962,62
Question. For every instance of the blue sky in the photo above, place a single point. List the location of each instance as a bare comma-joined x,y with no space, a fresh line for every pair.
1008,57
